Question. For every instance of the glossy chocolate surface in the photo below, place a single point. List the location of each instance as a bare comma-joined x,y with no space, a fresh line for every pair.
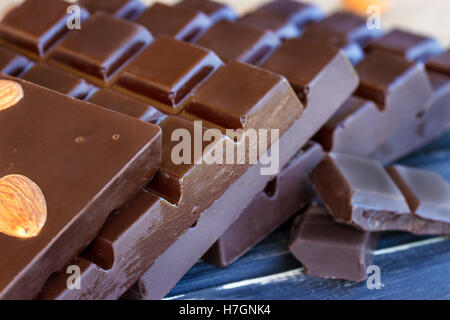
102,47
21,29
411,46
55,79
331,250
125,9
167,70
177,22
116,101
12,63
215,11
99,158
249,44
440,63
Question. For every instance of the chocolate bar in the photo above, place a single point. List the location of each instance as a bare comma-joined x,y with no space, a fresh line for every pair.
214,10
99,158
361,192
125,9
427,125
12,63
331,250
286,18
166,72
58,80
250,44
94,54
21,30
440,63
283,196
410,46
177,22
115,101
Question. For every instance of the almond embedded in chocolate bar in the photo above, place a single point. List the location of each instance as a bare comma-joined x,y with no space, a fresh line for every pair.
11,92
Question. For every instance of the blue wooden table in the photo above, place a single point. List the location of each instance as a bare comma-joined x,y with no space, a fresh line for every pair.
412,267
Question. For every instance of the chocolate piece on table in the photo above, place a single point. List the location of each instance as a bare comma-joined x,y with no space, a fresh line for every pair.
36,36
427,193
99,158
283,196
238,41
286,18
427,126
410,46
351,49
166,72
12,63
177,22
352,129
125,9
116,101
217,103
401,89
353,27
331,250
101,48
440,63
52,78
214,10
360,192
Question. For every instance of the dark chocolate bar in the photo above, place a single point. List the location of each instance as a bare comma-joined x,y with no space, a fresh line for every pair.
215,11
249,43
125,9
58,80
36,36
115,101
331,250
12,63
97,157
283,196
177,22
360,192
286,18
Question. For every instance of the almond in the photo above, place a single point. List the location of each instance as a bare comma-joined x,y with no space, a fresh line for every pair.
23,209
11,92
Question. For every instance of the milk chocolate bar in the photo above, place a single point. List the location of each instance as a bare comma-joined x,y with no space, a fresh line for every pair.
331,250
361,192
286,18
428,124
215,11
12,63
174,21
58,80
282,197
125,9
98,158
21,30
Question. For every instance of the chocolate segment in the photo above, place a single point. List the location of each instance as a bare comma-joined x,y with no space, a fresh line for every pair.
412,47
353,27
177,22
283,196
102,47
360,192
106,158
262,97
440,63
12,63
115,101
427,193
166,71
21,29
58,80
249,44
331,250
125,9
352,129
214,10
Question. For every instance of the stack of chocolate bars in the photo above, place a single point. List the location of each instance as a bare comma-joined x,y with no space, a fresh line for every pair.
97,193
